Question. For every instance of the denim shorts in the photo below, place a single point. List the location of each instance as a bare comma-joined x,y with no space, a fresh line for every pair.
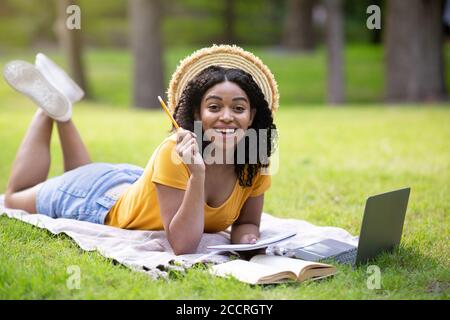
87,192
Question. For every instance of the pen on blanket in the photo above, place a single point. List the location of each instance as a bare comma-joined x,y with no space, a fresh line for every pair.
168,112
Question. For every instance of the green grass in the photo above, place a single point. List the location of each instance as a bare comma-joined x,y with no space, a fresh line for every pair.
331,159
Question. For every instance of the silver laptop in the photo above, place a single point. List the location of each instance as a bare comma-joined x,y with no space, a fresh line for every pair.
381,231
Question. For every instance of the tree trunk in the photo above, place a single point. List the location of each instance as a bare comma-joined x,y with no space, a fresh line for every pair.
335,48
414,51
70,41
298,25
148,84
376,34
229,21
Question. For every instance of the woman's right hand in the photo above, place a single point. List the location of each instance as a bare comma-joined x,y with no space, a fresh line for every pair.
187,149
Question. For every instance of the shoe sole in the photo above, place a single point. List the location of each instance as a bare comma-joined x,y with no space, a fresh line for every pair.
46,65
26,79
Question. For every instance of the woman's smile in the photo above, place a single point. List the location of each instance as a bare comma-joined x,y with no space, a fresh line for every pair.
226,114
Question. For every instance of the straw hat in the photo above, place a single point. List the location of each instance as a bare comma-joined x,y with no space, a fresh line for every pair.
228,57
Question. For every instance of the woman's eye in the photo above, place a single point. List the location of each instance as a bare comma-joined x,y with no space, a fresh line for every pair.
239,108
213,107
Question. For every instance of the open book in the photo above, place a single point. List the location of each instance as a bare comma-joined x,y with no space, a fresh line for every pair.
264,269
262,243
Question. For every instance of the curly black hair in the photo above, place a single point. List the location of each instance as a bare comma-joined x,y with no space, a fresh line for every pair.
190,101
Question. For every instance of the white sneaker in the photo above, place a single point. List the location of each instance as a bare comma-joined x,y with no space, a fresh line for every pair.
27,79
58,78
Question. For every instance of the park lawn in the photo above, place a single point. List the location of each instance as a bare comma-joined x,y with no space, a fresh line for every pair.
330,161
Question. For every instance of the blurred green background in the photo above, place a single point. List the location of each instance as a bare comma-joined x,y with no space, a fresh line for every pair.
27,23
28,27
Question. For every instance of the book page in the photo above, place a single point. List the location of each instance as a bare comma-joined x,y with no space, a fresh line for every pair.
250,272
287,264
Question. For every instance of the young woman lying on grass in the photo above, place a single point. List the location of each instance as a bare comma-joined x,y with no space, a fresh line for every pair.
179,190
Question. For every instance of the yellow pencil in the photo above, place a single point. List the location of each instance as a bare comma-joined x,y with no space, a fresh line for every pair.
168,112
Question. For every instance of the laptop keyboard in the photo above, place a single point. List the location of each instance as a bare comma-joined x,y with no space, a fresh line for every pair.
347,257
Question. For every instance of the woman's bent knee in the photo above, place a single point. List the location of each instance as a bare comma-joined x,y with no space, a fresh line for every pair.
8,200
23,200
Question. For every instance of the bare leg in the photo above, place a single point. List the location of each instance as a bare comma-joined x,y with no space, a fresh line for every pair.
75,153
31,165
32,162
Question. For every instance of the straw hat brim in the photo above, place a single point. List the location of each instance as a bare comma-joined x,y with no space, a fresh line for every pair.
228,57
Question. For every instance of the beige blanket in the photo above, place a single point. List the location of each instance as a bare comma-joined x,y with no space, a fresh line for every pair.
150,252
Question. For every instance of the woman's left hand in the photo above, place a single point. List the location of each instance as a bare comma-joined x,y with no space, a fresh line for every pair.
248,238
251,239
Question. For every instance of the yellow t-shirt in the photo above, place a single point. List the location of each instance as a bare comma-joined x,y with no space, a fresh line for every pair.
138,208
